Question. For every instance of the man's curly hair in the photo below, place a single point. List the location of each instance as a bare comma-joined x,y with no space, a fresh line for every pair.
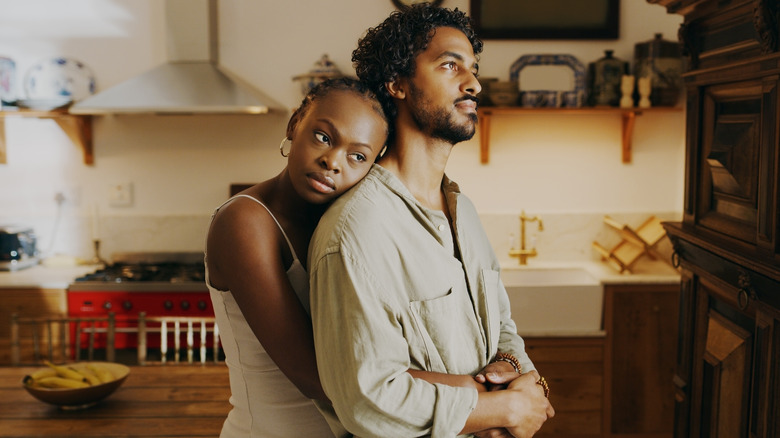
387,51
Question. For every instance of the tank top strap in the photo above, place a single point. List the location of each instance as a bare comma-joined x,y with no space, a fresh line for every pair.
292,250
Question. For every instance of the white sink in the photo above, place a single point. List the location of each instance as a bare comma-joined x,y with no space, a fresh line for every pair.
554,300
547,276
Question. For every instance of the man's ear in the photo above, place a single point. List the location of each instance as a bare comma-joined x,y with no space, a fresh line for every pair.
397,89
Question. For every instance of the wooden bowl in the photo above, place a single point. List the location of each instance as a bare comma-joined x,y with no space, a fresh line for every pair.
80,398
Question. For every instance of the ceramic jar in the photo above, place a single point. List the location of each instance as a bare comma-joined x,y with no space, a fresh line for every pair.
504,93
484,95
604,77
662,62
322,70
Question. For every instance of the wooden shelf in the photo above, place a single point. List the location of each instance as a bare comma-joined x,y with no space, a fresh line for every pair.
77,127
627,116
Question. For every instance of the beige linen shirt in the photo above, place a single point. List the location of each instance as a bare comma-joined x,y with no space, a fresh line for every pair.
392,290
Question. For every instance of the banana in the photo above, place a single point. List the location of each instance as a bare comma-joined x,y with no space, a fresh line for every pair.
60,382
101,372
44,372
92,379
67,373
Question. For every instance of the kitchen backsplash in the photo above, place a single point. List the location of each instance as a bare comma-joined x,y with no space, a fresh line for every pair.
566,236
73,235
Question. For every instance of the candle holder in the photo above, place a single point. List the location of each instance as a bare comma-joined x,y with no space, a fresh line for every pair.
96,259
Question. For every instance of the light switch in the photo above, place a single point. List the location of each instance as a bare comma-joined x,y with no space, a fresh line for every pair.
121,195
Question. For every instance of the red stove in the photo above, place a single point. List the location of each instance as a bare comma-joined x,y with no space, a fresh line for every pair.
160,284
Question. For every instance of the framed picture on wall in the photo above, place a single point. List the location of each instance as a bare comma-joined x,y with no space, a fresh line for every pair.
546,19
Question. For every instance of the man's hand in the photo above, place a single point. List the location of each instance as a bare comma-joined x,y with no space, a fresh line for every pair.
497,375
535,407
494,433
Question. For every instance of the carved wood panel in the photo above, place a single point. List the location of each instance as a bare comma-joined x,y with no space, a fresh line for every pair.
685,341
736,151
724,343
715,33
764,417
726,371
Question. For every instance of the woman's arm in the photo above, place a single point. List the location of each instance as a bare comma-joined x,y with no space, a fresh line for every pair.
461,380
244,247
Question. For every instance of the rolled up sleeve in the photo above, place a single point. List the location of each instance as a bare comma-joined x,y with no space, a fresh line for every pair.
363,356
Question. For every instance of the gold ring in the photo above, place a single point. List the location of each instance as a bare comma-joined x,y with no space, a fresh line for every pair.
543,383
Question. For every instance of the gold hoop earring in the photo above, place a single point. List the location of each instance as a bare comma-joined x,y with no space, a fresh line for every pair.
281,147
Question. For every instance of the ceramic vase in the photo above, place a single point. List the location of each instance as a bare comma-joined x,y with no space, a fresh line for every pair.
604,80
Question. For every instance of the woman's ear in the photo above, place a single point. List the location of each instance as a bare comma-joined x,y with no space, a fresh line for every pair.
396,89
293,123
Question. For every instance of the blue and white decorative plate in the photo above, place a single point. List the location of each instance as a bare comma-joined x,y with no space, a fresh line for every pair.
57,78
537,98
7,80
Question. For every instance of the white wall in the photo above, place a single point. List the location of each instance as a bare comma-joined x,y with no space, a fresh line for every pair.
181,166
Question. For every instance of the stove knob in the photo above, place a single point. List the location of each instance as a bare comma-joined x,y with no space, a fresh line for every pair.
107,305
168,304
127,305
185,305
202,305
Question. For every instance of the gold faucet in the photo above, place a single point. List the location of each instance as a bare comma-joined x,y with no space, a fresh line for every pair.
524,253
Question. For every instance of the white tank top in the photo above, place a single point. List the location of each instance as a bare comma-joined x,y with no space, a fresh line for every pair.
265,403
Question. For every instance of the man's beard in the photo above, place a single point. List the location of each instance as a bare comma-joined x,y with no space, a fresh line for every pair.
438,122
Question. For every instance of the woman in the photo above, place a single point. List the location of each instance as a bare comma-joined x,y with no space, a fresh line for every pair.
256,253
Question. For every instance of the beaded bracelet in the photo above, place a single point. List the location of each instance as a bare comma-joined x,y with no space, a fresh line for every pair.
508,358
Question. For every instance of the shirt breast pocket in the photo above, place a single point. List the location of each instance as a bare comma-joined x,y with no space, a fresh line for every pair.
431,319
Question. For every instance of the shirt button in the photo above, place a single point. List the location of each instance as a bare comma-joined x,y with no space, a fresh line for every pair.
442,227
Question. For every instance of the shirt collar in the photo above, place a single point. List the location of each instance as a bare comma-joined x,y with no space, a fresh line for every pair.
391,181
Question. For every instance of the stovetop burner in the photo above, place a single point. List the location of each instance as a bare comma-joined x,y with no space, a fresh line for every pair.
158,272
151,267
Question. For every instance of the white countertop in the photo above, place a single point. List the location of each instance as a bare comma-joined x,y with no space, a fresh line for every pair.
43,277
649,272
645,272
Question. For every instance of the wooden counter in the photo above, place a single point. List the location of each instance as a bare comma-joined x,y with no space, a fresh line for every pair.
43,277
154,401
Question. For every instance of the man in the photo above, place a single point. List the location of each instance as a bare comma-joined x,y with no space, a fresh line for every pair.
402,274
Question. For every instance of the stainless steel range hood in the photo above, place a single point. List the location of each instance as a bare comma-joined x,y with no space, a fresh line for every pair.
191,82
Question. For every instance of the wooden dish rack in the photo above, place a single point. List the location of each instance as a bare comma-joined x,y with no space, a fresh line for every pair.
634,243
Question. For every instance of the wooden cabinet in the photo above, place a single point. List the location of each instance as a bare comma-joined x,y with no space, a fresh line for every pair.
641,325
27,302
727,379
619,385
574,368
727,372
